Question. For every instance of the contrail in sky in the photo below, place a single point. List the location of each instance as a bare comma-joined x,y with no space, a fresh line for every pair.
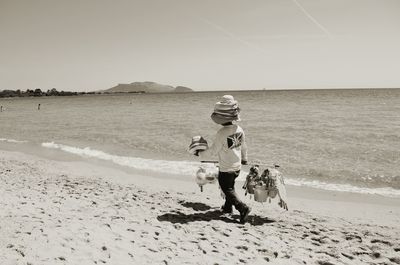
255,47
319,25
232,36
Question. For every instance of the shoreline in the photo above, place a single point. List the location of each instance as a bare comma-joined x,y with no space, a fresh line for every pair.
366,194
70,212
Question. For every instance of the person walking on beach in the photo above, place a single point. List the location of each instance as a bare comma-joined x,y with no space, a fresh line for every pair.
230,146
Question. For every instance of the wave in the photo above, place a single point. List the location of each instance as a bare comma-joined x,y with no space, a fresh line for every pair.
188,169
12,141
388,192
160,166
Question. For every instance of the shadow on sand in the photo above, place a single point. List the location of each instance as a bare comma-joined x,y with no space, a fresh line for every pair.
181,218
197,206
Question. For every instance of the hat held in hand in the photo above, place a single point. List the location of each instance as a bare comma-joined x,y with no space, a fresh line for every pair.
198,144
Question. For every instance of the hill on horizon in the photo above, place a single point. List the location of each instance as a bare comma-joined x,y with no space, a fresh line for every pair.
146,87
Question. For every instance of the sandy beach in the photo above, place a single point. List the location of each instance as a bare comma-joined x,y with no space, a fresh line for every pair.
55,212
109,110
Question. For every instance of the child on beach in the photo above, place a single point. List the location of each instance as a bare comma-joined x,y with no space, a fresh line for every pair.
230,146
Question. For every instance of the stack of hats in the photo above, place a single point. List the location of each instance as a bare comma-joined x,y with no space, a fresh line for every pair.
198,144
226,110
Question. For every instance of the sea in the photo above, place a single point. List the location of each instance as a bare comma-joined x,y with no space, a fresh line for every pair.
345,140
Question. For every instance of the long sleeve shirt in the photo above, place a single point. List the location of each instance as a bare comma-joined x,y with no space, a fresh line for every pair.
230,146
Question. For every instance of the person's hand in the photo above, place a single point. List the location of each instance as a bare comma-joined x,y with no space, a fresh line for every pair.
244,162
197,152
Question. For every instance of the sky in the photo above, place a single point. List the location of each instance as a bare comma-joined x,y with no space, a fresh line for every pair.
86,45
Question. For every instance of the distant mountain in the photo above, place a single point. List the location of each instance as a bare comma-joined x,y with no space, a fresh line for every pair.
183,89
146,87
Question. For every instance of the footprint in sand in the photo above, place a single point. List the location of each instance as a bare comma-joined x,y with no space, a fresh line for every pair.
395,260
267,252
225,234
347,255
381,241
242,248
375,255
352,236
322,240
304,236
333,255
359,253
335,240
321,262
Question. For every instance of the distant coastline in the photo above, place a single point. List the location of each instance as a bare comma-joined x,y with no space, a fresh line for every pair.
132,88
38,93
54,92
29,93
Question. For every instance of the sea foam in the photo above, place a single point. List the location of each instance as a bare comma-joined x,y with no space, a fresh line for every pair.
185,168
189,168
12,141
388,192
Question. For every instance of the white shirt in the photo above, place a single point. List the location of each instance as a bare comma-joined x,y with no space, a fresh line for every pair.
230,145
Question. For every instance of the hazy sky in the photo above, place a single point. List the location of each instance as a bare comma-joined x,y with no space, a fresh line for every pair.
206,45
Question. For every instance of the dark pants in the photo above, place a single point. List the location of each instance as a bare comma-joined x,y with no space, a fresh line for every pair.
227,183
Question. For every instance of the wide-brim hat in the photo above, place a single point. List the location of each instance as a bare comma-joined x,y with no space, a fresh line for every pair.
220,119
227,102
198,144
228,113
226,110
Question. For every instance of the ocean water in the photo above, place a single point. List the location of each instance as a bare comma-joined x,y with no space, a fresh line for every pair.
330,139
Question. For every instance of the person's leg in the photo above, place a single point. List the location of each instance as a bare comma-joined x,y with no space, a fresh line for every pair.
224,183
227,183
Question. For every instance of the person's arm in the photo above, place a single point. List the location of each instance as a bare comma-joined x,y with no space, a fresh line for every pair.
244,150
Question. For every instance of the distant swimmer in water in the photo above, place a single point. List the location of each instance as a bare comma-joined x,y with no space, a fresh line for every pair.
38,106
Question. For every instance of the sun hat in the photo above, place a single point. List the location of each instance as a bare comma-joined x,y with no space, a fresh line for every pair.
228,113
220,119
198,144
226,110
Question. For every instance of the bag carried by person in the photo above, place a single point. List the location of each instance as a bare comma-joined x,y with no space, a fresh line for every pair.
252,179
205,176
267,185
